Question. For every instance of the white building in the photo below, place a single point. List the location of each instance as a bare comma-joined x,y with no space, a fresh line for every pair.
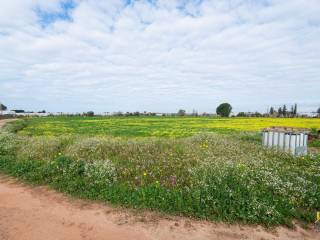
7,113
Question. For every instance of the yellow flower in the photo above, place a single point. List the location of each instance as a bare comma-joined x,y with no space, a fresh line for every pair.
144,174
204,145
59,154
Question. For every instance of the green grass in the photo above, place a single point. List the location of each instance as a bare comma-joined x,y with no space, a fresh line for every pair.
315,143
154,126
211,176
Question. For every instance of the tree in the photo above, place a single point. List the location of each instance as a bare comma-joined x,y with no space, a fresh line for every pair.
257,114
292,110
181,112
241,114
280,112
271,111
194,113
295,110
118,114
3,107
224,109
90,114
318,111
284,110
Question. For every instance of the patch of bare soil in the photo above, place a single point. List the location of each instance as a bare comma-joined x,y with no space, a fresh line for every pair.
314,150
37,213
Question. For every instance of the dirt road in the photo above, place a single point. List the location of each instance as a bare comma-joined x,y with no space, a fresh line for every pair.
38,213
4,121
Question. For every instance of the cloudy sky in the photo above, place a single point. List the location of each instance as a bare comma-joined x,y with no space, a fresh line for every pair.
159,55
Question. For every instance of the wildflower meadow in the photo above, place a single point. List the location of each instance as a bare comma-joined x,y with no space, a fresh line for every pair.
212,174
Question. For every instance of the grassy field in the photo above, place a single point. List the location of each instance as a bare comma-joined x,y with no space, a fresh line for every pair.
210,175
155,126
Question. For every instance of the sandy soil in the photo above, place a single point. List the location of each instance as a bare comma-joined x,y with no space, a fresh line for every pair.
37,213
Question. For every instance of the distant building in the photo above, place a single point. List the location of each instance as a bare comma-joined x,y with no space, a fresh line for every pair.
3,113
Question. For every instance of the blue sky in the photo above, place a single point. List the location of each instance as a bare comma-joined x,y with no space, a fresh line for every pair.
47,17
80,55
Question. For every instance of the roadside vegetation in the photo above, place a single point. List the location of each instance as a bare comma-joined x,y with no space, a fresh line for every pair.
215,176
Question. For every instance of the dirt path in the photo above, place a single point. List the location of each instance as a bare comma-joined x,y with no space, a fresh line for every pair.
3,122
37,213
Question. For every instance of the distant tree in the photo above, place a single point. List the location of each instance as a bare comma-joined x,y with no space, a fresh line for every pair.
295,110
241,114
257,114
280,111
181,112
284,110
318,111
90,114
194,112
271,111
292,111
3,107
224,109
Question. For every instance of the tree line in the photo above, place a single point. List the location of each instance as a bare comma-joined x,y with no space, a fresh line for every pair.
284,112
223,110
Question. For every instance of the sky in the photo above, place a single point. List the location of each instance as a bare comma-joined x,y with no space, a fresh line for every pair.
159,55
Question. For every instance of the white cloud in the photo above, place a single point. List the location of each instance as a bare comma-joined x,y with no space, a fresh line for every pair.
161,56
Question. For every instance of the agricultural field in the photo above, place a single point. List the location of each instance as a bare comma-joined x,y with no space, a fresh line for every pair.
155,126
208,168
